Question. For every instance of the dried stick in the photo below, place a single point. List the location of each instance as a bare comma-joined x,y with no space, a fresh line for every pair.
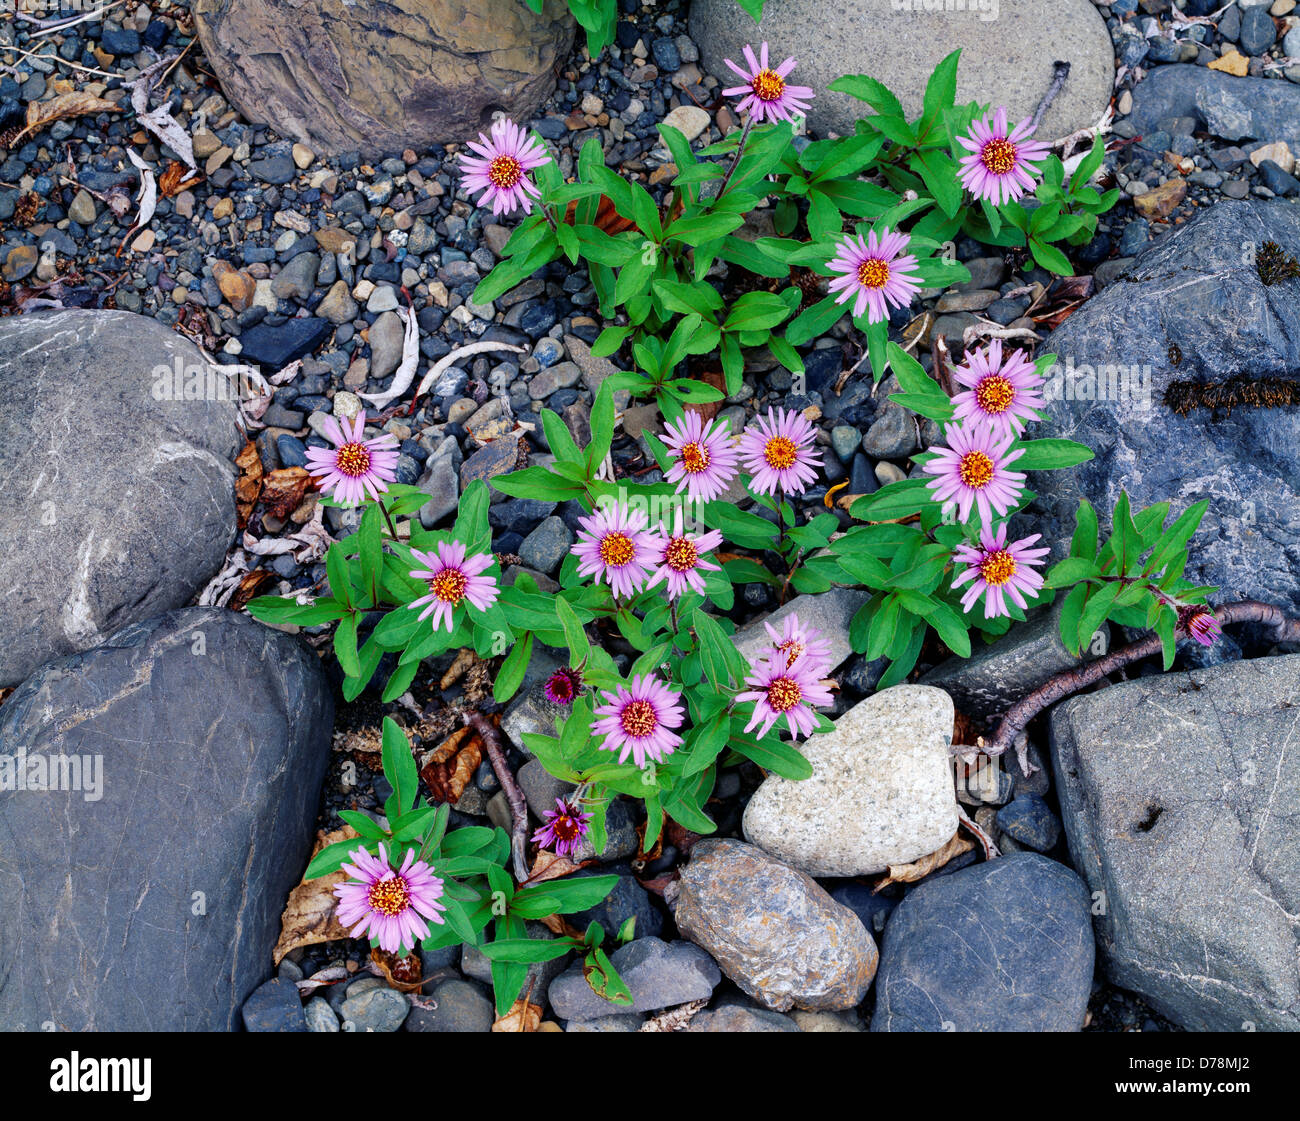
1060,71
518,807
1285,629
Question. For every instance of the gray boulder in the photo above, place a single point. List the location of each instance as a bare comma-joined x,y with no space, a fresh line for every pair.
116,440
1196,290
658,974
1001,946
1007,51
1180,795
178,765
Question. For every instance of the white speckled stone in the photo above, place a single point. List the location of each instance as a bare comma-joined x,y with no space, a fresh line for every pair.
881,790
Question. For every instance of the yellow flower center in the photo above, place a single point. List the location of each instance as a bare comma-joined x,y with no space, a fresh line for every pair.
997,568
792,649
681,554
389,896
781,452
873,273
449,585
353,460
999,156
504,172
638,719
695,458
783,694
616,549
768,85
994,394
976,470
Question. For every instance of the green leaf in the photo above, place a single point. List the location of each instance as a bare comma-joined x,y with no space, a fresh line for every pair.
1050,455
773,755
399,765
874,93
511,674
1084,542
1050,257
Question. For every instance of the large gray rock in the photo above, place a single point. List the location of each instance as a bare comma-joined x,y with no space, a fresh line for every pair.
118,500
377,78
1000,673
1230,107
145,893
658,974
1001,946
1196,289
1007,46
1180,795
773,929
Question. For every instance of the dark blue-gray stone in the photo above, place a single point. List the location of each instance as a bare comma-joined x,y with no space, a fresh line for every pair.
153,902
1227,106
1030,821
1002,946
276,347
1196,288
274,1006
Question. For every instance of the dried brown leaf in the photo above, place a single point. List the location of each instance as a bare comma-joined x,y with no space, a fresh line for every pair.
309,915
75,104
249,484
249,584
521,1017
176,179
551,866
283,490
465,657
449,768
919,869
405,974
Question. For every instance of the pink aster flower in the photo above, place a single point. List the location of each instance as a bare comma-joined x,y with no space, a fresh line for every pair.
778,452
564,827
640,720
355,466
998,570
452,578
999,167
704,456
765,94
388,905
1002,393
680,562
1199,622
507,156
784,688
795,640
563,686
877,271
974,470
616,545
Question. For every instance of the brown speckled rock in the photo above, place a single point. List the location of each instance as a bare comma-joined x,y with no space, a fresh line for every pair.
773,930
377,78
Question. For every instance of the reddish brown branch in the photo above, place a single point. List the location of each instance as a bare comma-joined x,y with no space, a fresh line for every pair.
1071,681
487,732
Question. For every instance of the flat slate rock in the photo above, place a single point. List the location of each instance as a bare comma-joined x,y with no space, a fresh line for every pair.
1180,795
1229,107
145,893
116,446
1198,290
1001,946
1007,46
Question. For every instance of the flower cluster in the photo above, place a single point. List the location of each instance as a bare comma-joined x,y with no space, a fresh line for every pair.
786,681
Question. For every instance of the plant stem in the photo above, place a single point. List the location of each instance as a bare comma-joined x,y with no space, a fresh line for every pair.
1060,71
1285,629
518,806
735,160
392,529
